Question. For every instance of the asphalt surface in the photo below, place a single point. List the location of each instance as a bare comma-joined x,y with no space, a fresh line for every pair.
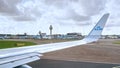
47,63
101,54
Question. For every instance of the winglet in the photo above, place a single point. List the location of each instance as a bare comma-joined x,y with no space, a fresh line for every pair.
95,33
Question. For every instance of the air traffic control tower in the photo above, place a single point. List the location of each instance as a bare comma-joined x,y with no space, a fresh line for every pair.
51,28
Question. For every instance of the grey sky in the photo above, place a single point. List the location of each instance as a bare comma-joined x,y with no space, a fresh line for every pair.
19,16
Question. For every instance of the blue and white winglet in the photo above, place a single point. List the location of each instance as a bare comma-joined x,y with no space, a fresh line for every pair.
20,56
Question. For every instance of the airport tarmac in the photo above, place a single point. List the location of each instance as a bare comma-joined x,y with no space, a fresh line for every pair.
103,51
101,54
47,63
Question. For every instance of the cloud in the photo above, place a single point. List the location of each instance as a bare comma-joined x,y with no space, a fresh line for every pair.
65,12
113,8
31,9
76,17
42,13
24,18
8,7
19,10
93,7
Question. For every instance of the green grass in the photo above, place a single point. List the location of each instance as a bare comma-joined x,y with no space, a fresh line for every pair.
11,44
46,41
117,42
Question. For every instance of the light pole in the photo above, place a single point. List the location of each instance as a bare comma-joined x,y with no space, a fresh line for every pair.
50,31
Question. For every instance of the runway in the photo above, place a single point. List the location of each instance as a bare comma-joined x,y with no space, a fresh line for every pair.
47,63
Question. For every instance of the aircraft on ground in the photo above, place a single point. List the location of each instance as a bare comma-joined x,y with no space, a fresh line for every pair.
20,56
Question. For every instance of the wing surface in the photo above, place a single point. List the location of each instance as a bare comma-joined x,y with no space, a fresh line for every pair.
13,57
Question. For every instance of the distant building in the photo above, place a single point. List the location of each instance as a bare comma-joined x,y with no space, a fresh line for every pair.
57,36
74,36
53,36
43,35
21,36
39,36
110,37
119,36
103,36
5,36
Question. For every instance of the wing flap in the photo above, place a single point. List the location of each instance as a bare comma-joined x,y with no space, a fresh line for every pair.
17,60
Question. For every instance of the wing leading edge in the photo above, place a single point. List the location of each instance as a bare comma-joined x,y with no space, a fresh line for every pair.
21,54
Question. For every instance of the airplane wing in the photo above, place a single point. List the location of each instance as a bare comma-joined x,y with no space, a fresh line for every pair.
20,56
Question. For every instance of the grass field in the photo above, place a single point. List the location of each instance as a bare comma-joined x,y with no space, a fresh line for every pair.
117,42
11,44
28,42
46,41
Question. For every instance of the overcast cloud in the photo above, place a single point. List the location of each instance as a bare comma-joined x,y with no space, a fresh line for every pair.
19,16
